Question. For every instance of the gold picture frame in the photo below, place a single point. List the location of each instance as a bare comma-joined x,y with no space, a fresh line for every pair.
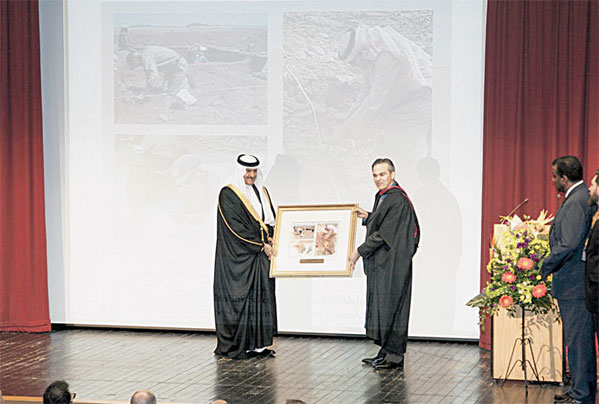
314,240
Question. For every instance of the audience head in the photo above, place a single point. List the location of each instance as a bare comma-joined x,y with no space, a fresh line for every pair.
58,393
143,397
294,401
219,402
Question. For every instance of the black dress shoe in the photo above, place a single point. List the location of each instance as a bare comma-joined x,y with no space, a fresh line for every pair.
266,353
570,400
377,359
388,365
561,397
373,361
567,399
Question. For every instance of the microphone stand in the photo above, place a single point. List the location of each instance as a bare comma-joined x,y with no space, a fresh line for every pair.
524,202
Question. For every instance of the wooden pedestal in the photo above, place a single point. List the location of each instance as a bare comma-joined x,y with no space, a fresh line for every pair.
546,341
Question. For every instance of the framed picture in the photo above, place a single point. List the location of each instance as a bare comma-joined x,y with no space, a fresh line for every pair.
313,240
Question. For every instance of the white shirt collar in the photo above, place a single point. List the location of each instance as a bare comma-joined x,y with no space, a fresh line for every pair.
572,187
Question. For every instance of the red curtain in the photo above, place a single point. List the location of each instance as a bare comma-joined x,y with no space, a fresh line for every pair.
23,276
541,102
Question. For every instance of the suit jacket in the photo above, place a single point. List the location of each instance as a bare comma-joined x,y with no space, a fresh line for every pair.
592,269
567,238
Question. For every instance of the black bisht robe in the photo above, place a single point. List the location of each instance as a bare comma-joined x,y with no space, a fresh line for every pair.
244,296
392,239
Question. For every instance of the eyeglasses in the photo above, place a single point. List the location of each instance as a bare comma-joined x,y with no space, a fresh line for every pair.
73,395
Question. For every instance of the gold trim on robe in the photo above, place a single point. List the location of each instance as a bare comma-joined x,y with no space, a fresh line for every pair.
250,209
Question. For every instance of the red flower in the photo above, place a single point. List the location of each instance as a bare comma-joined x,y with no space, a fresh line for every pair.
540,290
506,301
508,277
525,263
521,226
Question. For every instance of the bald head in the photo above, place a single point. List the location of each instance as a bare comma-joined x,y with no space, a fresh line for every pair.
143,397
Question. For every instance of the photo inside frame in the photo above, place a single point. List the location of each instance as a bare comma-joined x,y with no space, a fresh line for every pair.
315,239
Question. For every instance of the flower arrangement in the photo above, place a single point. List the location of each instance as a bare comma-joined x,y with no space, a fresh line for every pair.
515,268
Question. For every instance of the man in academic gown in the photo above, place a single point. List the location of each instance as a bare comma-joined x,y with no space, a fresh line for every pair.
244,295
392,238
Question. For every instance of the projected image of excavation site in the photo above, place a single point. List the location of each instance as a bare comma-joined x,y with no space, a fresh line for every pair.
357,85
173,179
196,70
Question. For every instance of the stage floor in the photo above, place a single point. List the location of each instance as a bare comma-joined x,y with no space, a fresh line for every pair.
180,367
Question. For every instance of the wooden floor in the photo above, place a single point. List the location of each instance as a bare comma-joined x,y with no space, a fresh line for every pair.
180,367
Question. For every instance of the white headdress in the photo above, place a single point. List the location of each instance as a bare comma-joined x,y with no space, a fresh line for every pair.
247,161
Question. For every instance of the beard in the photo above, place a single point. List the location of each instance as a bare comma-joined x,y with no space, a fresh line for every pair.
559,187
593,199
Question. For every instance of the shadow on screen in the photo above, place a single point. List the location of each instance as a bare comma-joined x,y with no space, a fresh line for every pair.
441,246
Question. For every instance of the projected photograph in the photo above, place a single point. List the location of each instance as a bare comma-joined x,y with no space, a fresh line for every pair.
208,69
356,85
176,178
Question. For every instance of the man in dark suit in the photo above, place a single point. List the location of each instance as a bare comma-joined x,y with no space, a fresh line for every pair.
567,238
592,258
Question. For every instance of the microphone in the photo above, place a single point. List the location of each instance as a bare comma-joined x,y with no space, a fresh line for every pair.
518,207
505,218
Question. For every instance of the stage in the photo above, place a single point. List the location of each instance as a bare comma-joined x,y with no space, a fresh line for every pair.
109,365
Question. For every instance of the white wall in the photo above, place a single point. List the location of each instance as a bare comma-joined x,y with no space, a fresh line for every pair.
53,105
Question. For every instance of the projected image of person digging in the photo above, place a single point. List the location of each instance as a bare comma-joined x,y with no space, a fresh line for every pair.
394,102
159,61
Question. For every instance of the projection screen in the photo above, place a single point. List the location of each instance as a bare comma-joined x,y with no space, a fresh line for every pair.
149,146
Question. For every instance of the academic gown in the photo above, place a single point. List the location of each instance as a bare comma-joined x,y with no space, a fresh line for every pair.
244,295
392,238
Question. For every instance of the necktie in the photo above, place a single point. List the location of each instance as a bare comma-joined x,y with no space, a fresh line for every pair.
593,222
259,199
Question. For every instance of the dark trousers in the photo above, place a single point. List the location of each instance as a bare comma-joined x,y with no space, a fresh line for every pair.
390,356
596,321
580,340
